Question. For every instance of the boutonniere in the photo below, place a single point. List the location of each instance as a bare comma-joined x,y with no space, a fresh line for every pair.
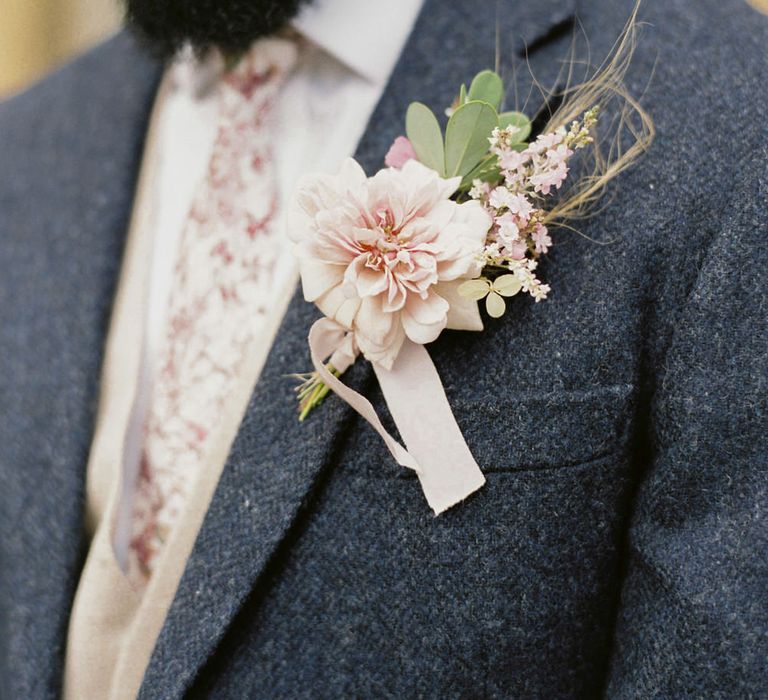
458,217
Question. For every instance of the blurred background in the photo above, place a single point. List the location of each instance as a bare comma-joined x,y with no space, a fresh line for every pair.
37,35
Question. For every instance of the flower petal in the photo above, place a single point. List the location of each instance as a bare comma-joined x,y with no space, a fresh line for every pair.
366,280
337,305
384,355
463,314
318,277
399,153
373,324
379,335
424,319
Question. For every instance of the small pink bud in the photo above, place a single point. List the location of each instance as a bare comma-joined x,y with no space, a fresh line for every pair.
399,153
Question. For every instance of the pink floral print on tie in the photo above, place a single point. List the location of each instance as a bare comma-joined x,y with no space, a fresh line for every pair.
224,270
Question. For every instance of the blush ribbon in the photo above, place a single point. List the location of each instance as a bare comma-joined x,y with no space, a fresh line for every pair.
437,451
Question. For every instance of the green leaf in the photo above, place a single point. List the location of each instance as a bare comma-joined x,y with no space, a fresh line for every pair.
475,289
462,94
466,137
488,87
425,135
507,285
486,170
495,305
517,119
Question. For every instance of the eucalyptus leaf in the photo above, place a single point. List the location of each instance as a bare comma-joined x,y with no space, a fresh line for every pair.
486,170
466,137
517,119
488,87
425,135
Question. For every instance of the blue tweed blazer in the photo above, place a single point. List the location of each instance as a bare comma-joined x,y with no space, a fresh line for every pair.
619,547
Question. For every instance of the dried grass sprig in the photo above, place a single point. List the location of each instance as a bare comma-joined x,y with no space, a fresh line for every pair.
617,145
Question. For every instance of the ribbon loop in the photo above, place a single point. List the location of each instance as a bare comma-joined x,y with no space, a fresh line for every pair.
437,451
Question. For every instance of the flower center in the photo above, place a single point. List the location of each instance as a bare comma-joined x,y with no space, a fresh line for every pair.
387,247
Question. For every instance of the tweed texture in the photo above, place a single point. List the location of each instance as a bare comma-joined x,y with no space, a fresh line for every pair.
69,155
618,548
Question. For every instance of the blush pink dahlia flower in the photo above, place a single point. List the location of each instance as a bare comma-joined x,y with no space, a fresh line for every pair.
384,256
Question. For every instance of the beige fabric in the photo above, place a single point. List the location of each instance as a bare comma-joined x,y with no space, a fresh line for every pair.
113,628
36,36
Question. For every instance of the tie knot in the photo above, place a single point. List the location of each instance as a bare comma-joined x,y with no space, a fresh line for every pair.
268,61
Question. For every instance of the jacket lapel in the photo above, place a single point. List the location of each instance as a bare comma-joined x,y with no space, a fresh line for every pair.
275,461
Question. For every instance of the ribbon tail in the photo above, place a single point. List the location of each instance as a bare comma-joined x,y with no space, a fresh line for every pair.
324,337
417,401
437,451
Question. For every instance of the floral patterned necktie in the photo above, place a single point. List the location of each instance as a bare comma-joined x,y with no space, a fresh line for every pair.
218,301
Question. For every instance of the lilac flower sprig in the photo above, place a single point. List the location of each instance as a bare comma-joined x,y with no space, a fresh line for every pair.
515,200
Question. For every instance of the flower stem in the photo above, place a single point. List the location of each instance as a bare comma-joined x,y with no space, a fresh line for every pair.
312,391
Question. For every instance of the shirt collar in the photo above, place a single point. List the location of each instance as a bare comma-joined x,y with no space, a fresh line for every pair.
367,37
